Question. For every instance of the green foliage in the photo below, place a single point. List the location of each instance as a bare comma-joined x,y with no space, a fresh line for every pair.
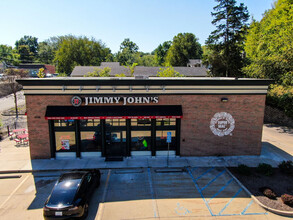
161,52
25,55
184,47
128,53
286,167
120,75
131,46
46,52
62,75
81,51
146,60
265,169
1,124
99,72
168,72
8,55
281,97
226,42
244,170
131,68
41,73
269,45
31,42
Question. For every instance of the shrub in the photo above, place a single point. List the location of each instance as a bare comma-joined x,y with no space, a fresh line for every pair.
286,167
287,199
244,170
265,169
281,97
268,192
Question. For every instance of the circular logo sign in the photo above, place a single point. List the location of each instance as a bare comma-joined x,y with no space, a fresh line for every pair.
76,101
222,124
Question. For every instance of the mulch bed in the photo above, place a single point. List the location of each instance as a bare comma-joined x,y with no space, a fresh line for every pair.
279,182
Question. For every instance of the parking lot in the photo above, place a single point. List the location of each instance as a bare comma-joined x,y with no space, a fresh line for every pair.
141,193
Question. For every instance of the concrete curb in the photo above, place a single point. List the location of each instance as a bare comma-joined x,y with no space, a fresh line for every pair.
275,211
80,169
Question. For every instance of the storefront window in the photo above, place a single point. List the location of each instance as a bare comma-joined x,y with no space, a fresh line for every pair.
161,140
90,141
141,122
63,123
116,122
65,141
165,122
89,122
140,140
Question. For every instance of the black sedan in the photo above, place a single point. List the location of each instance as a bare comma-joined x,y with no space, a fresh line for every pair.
71,194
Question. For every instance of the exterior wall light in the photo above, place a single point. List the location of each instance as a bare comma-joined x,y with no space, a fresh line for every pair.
224,99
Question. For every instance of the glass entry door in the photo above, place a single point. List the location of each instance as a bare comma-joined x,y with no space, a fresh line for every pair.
115,148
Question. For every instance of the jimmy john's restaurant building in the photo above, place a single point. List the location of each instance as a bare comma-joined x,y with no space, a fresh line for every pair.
121,117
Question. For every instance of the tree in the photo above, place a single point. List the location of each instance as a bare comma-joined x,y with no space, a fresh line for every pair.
128,53
31,43
146,60
11,76
269,45
127,43
81,51
8,55
226,42
25,55
168,72
184,47
46,52
161,52
99,72
126,57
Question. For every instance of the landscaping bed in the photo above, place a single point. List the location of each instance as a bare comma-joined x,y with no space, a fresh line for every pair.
279,182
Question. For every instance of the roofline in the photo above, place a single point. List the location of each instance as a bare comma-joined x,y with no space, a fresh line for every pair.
150,81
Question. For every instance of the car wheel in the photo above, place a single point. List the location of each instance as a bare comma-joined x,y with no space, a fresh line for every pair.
86,211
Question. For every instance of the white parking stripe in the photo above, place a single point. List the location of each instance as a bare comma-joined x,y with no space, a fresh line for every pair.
14,191
101,205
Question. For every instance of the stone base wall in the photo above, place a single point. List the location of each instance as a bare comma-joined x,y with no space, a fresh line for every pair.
197,138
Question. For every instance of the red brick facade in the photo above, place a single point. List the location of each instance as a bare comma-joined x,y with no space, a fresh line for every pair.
197,138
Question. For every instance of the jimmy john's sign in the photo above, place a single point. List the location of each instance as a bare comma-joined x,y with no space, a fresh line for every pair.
87,100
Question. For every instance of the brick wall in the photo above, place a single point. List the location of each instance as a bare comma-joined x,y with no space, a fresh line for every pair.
196,137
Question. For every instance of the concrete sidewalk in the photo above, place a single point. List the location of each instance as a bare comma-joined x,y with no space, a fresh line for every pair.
17,159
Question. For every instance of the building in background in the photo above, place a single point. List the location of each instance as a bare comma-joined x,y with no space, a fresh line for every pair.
141,71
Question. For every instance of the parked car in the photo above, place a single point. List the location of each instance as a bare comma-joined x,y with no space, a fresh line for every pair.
71,195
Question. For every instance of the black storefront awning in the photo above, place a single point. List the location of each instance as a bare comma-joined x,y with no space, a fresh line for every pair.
113,112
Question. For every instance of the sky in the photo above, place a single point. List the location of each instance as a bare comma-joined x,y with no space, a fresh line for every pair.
148,23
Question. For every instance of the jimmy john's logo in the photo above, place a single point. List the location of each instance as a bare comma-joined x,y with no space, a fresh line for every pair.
76,100
222,124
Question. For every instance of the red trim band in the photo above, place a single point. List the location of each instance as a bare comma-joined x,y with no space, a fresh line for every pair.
110,117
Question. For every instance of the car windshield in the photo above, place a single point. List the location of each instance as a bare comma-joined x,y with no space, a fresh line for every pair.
65,190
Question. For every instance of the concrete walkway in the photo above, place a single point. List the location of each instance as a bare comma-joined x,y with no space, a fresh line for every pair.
276,147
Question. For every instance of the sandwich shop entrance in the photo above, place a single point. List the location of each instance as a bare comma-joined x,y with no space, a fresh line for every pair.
113,132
